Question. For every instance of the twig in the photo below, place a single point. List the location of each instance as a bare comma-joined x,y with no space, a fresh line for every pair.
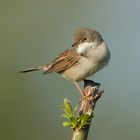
87,106
80,120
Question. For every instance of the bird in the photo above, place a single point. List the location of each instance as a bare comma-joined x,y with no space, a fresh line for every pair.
88,54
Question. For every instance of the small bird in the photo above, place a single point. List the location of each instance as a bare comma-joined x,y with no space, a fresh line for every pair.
88,54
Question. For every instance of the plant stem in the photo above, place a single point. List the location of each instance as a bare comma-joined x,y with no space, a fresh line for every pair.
79,135
87,105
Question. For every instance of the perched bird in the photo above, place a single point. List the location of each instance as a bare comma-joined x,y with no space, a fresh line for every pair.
88,54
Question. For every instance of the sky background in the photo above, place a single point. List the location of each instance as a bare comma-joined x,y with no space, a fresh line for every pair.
33,32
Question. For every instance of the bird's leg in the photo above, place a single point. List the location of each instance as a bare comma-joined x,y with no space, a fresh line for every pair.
79,89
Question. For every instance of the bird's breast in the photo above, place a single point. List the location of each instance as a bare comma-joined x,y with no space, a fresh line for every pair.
87,66
84,69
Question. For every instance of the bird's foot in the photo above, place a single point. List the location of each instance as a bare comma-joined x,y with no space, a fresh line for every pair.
79,89
92,82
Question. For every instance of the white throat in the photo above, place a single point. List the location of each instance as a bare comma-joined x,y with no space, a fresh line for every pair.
85,46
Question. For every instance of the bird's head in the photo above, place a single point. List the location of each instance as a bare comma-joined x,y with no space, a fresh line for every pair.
87,39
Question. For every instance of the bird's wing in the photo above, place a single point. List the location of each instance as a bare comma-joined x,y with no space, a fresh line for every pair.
64,61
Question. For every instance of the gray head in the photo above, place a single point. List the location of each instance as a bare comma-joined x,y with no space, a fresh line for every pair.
87,35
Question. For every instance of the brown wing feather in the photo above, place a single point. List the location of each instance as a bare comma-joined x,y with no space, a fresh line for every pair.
64,61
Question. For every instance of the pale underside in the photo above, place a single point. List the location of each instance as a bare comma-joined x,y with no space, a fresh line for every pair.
75,67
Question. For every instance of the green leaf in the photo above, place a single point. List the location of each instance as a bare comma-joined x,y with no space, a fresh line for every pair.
66,123
65,116
74,120
75,109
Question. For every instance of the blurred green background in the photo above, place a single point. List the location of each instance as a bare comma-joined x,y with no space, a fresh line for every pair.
33,32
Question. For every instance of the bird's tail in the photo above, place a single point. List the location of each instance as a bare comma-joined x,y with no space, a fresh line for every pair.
43,68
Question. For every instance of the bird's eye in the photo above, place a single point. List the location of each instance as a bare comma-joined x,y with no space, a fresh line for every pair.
84,39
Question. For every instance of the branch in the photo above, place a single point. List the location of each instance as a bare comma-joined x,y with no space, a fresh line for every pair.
80,120
87,106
